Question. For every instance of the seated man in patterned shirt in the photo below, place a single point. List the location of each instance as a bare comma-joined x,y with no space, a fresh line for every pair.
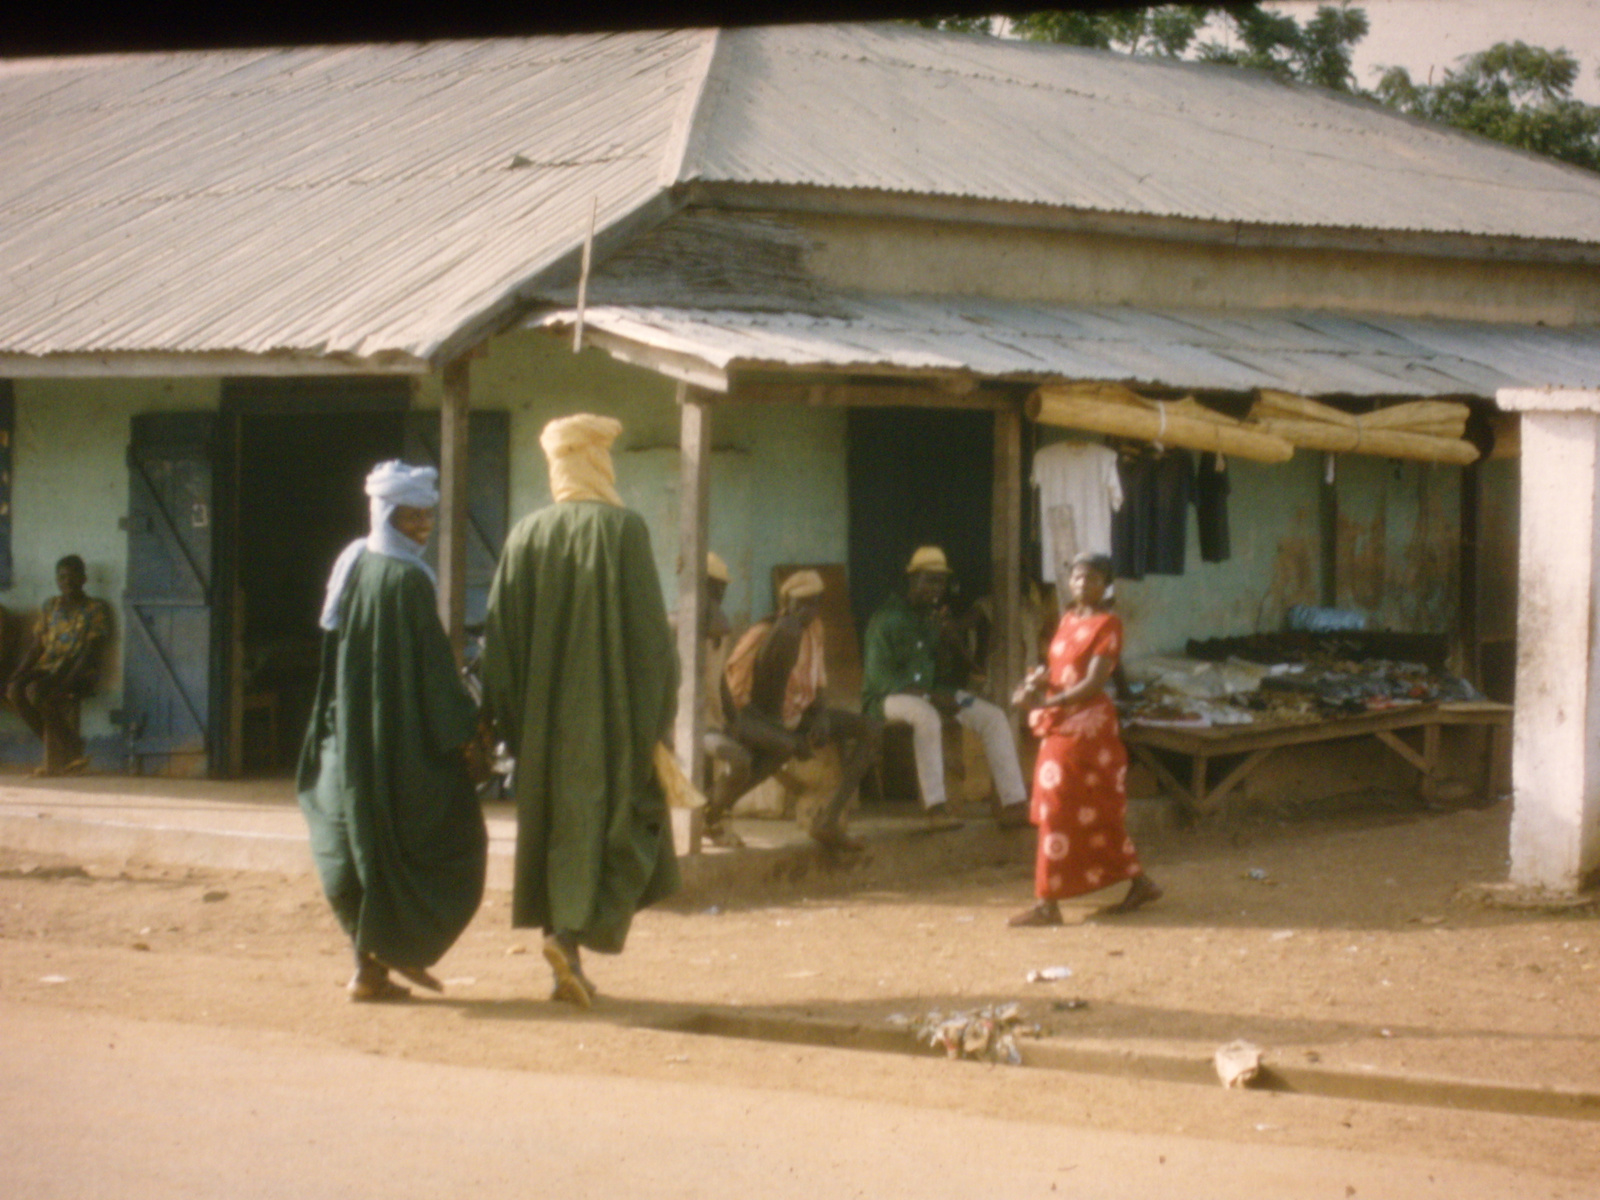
60,667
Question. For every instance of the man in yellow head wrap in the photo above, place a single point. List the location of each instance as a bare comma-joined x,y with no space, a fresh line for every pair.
777,681
908,655
581,678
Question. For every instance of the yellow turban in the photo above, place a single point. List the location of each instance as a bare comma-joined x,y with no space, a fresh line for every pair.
715,567
579,451
800,585
928,558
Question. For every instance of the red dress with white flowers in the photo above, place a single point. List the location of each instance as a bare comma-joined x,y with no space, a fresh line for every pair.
1080,794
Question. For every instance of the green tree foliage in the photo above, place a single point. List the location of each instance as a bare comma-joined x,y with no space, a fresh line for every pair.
1319,52
1511,92
1250,36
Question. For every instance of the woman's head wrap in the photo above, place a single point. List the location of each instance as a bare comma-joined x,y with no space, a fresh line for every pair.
578,449
1098,562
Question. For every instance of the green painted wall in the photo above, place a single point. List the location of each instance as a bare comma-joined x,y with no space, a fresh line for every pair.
1398,546
779,495
778,491
1399,535
70,489
1272,520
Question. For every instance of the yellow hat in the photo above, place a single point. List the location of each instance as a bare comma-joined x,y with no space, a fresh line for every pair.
715,567
801,585
928,558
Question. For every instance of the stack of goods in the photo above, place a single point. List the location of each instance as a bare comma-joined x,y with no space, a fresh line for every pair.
1426,430
1113,408
1289,678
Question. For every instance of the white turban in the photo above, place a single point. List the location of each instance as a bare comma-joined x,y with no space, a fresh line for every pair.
579,452
390,485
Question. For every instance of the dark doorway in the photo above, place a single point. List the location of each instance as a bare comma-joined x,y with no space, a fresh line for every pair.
301,502
919,476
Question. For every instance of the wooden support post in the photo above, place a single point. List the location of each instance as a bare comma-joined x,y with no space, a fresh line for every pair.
451,533
694,519
1468,637
1005,656
1328,529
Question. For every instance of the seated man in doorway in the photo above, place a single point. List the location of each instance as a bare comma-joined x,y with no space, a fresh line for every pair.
60,667
717,633
908,677
776,678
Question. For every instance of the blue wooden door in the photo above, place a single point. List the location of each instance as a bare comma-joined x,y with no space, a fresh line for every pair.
169,660
488,488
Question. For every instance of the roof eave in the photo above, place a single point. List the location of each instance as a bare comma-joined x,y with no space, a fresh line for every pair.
136,364
776,197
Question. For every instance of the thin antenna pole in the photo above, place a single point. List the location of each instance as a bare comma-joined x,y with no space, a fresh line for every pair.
583,277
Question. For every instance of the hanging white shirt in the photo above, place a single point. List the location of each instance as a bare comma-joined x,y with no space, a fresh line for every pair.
1081,477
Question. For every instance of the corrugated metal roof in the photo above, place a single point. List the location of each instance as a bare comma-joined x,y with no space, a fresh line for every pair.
363,200
900,109
1313,354
356,200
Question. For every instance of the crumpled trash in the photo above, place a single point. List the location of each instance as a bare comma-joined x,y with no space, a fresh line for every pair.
1049,974
1238,1063
987,1035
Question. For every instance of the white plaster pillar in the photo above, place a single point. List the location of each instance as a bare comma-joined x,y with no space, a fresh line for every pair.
1555,824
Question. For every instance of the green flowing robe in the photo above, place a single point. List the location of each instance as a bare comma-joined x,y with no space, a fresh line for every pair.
396,827
581,677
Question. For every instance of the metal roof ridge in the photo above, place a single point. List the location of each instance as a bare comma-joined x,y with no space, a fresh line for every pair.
688,132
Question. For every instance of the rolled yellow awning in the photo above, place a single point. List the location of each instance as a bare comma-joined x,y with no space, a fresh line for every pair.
1115,409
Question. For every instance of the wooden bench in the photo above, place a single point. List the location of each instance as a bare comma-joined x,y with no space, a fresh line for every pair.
1257,742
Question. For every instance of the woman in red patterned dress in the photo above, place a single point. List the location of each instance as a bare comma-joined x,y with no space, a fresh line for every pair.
1080,783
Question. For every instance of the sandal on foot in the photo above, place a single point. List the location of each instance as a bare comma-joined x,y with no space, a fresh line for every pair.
1039,914
420,976
1013,816
831,837
1140,892
723,836
368,991
571,986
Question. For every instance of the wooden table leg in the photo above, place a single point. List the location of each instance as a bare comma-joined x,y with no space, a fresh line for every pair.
1165,777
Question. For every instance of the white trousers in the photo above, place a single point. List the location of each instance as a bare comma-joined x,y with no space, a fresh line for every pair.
927,739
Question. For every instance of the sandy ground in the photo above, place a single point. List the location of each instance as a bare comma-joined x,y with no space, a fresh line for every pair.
1352,942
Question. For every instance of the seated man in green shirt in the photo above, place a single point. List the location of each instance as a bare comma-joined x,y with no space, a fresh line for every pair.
902,682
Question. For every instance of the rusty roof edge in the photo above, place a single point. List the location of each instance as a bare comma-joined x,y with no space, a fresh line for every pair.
863,202
135,364
561,270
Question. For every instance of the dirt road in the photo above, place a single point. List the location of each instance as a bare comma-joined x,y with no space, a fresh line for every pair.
1343,943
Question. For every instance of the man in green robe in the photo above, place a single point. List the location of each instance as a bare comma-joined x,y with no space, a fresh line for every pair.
396,827
581,678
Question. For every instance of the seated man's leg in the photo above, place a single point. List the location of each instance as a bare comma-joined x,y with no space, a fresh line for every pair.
763,753
20,691
857,738
63,746
927,740
727,786
999,746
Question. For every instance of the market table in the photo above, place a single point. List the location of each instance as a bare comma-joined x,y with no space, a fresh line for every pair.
1259,740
